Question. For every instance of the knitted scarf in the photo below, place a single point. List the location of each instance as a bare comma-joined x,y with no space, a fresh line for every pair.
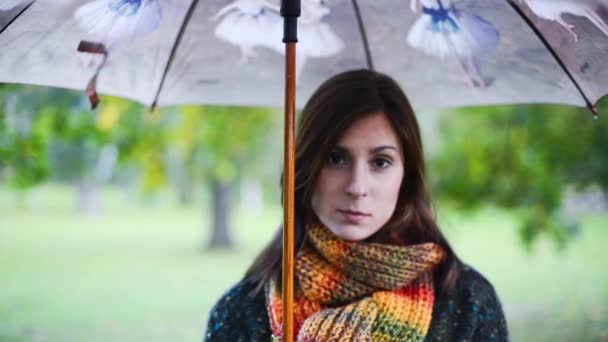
352,291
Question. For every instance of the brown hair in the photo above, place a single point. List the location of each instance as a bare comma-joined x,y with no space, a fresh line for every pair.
331,110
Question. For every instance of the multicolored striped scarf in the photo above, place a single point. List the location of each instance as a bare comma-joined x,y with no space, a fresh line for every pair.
352,291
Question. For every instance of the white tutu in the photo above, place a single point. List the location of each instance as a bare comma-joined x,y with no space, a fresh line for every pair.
6,5
315,37
318,40
249,23
463,34
314,40
111,21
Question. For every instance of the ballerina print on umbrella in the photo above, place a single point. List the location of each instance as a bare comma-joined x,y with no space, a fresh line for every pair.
112,21
252,23
554,10
446,32
316,37
109,22
247,24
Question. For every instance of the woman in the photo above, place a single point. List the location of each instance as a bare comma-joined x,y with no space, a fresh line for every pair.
371,263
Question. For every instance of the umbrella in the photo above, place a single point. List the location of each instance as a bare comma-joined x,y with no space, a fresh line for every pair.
444,53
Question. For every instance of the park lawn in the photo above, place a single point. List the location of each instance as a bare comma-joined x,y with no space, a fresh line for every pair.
141,273
547,294
132,274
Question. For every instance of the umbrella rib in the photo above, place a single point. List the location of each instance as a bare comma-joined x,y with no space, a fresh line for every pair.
182,29
368,54
17,16
542,38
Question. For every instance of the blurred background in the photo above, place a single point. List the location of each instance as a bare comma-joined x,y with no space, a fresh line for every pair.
124,225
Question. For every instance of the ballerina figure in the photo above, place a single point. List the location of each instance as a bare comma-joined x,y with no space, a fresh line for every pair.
316,38
247,24
554,9
112,21
444,31
6,5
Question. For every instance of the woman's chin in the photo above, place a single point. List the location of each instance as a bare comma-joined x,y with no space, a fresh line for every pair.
351,233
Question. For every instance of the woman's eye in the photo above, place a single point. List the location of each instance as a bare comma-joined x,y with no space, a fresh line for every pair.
335,159
381,163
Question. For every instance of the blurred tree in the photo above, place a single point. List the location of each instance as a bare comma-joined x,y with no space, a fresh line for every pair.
219,144
140,137
44,129
23,137
52,132
520,158
76,151
591,166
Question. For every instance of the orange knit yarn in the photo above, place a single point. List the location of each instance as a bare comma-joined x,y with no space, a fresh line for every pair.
350,291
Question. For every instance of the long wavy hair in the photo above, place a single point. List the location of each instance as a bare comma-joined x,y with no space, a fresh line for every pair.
331,110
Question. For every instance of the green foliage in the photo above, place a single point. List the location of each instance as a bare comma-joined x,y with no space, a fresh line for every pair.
140,137
125,124
75,143
23,159
218,140
591,165
212,142
149,150
22,145
520,158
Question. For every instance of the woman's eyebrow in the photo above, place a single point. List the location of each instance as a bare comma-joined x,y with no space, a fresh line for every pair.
342,149
382,148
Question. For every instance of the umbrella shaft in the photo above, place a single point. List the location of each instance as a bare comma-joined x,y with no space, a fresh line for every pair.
288,191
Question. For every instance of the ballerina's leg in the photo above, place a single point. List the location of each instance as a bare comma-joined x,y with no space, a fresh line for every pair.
468,80
475,69
247,52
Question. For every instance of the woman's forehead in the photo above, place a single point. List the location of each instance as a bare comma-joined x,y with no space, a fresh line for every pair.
371,132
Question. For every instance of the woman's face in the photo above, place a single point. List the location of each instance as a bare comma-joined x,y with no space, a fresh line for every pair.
358,187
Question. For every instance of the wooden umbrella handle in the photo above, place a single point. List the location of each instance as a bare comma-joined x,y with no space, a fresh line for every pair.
290,10
288,191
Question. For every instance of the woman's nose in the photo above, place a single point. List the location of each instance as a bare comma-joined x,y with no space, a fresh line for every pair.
356,185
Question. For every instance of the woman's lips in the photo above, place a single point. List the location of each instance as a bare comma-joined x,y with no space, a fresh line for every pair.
351,216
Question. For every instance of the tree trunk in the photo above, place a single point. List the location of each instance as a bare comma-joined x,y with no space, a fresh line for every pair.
181,180
88,201
185,194
221,205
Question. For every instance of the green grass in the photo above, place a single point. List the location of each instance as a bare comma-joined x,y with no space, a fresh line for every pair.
548,295
141,273
133,274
